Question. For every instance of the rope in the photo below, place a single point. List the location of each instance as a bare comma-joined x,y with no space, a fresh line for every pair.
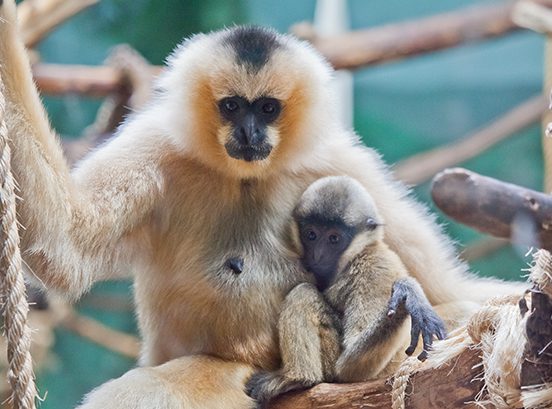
12,285
400,382
498,331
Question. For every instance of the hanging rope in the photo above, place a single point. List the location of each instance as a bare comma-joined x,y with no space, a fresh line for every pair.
12,286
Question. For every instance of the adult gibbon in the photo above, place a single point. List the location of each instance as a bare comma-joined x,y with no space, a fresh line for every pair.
241,124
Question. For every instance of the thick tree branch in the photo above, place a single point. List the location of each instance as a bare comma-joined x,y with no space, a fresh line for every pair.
395,41
497,208
37,18
449,386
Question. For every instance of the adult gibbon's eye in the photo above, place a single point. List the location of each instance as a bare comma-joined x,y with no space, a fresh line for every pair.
311,235
269,107
334,238
230,105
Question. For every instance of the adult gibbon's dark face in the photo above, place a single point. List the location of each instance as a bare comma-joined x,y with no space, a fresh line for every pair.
249,121
251,100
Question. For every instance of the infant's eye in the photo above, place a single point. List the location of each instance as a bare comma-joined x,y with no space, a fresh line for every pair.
371,224
334,238
311,235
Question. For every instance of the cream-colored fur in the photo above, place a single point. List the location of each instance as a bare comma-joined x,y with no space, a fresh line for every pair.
194,382
162,200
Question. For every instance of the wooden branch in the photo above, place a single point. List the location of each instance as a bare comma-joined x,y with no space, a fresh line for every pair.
482,248
400,40
100,334
351,50
450,386
57,79
37,18
421,167
497,208
91,81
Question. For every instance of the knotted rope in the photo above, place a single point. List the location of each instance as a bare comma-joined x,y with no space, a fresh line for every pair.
400,381
498,330
12,286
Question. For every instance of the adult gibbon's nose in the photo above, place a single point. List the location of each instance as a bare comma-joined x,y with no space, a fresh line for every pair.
248,131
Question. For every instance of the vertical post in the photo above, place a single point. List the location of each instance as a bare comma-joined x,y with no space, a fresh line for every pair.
538,17
547,117
331,17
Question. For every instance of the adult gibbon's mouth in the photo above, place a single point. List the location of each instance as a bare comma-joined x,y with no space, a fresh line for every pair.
248,153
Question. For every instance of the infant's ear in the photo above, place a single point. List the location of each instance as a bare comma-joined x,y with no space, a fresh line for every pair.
371,224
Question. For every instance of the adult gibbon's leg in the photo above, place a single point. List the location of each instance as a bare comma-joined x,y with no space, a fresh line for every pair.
193,382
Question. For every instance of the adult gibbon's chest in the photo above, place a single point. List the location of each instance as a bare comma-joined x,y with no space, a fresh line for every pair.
198,303
214,220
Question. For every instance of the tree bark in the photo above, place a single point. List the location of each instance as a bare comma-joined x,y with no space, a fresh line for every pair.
451,386
494,207
399,40
37,18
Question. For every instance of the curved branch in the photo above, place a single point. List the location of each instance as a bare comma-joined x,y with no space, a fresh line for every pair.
494,207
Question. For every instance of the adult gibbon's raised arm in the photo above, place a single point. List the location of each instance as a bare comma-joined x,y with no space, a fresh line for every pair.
74,228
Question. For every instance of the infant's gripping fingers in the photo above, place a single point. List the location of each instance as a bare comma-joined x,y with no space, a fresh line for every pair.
429,324
407,293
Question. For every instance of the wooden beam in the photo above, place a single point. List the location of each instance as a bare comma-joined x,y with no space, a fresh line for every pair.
423,166
452,385
494,207
37,18
399,40
117,341
350,50
92,81
482,248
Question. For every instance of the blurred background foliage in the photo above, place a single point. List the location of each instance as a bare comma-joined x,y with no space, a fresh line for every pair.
400,108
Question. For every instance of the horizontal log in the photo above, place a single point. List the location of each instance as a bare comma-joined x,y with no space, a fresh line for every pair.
452,386
494,207
399,40
93,81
